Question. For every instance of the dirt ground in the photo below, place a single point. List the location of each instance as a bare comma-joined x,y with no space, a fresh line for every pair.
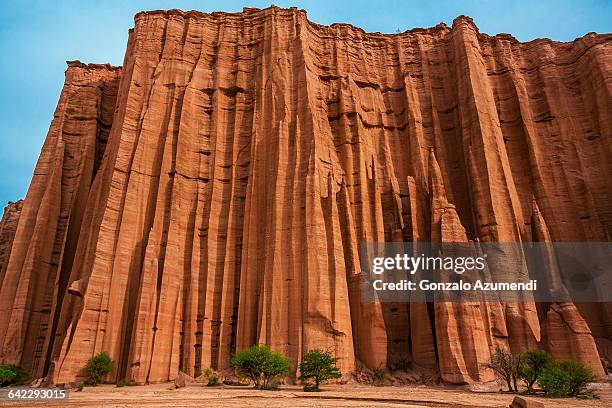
159,395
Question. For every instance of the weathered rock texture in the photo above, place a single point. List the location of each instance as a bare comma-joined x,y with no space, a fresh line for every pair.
8,226
213,193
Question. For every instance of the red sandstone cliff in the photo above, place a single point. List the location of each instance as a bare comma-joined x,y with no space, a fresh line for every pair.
8,226
212,194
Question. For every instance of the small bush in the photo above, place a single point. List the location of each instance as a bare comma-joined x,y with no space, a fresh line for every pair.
311,388
318,366
506,365
7,376
533,362
273,385
579,374
554,381
565,378
380,373
120,383
212,377
261,365
80,387
98,367
11,374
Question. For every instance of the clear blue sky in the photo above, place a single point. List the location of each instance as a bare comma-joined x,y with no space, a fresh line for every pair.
37,37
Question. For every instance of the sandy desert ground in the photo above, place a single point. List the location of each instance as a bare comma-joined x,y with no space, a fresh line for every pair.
159,395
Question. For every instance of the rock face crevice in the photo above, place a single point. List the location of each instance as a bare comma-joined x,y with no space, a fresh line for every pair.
213,192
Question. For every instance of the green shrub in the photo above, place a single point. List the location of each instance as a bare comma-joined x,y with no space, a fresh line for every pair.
273,384
579,374
311,388
533,362
318,365
212,377
7,376
506,365
565,378
11,374
120,383
262,365
554,381
98,367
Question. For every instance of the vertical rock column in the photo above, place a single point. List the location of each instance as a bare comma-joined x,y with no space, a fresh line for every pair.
37,271
8,227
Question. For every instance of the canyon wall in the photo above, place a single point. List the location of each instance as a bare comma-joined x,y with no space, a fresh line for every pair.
8,226
213,193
